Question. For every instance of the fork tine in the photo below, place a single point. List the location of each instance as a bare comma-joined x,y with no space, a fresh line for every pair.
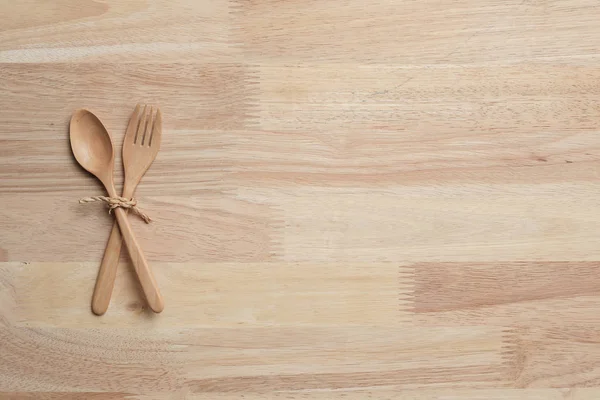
148,130
156,129
141,127
133,124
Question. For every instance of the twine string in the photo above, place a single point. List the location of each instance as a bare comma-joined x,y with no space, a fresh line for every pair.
116,202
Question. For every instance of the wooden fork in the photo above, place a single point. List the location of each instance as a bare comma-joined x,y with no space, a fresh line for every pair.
140,147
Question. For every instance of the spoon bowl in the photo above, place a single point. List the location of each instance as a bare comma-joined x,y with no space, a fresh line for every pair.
91,145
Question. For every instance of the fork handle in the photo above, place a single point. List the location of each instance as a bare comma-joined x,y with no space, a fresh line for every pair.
145,276
105,281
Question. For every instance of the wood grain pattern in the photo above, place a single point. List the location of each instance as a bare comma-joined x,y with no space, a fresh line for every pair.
413,33
392,200
520,294
94,31
283,358
385,394
219,295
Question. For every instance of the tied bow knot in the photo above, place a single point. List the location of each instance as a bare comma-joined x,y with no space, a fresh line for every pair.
116,202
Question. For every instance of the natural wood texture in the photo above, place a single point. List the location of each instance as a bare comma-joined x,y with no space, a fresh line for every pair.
434,32
385,394
92,31
230,295
382,200
140,148
92,147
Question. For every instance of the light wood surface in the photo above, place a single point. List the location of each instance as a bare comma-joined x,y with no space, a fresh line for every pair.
381,200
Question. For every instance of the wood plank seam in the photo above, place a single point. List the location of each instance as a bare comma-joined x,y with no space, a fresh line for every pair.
406,292
251,88
512,358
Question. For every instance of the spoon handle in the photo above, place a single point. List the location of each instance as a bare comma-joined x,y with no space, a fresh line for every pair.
105,281
145,276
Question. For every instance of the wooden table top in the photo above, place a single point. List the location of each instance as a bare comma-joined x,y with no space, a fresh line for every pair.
380,200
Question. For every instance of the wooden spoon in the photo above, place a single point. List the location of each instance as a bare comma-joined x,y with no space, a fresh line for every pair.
93,149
